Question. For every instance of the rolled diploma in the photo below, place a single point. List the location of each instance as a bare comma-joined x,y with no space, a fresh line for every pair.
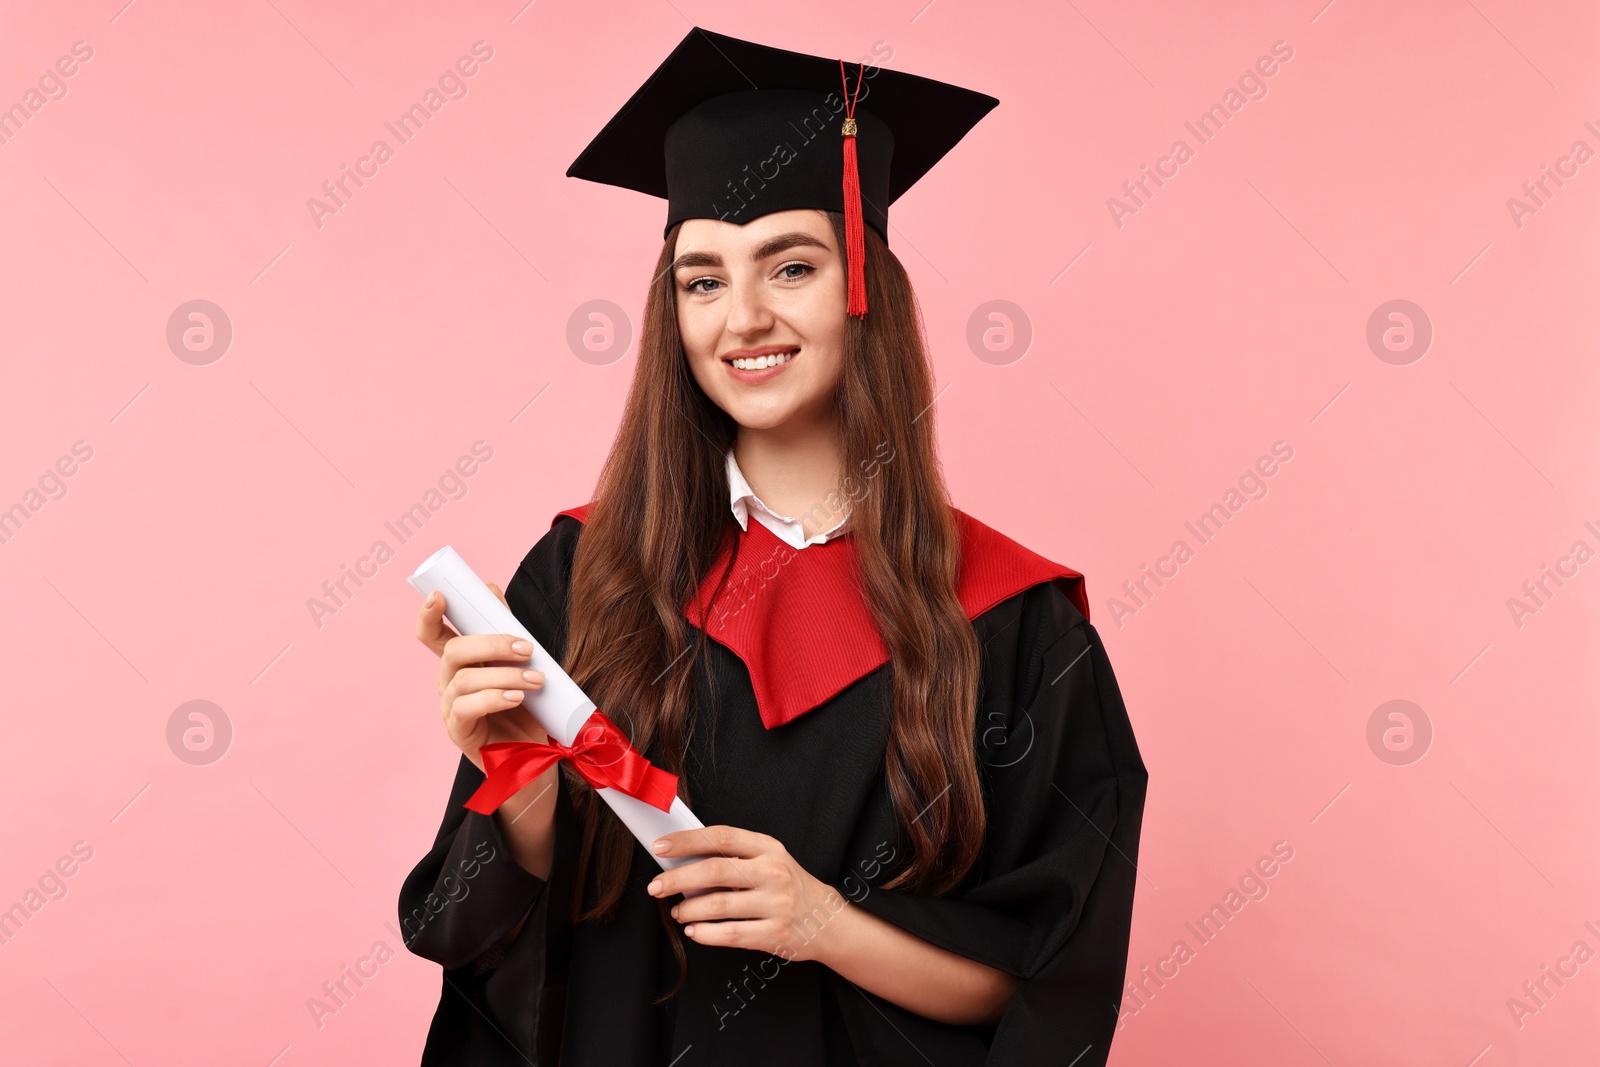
559,705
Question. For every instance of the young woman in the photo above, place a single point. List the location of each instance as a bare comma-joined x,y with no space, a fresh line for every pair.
921,788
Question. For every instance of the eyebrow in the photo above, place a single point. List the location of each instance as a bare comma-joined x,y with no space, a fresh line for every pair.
781,243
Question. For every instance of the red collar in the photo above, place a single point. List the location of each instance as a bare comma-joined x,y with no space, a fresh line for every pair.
797,619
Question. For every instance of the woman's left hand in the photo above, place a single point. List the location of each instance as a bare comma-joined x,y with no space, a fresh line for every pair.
762,900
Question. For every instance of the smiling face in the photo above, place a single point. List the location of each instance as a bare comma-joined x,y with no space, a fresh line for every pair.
761,311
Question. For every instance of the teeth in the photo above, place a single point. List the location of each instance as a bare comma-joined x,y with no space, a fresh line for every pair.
762,362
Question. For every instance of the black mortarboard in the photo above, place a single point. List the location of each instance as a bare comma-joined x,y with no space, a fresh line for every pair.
729,129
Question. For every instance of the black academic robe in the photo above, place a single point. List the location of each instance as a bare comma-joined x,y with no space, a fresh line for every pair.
1050,900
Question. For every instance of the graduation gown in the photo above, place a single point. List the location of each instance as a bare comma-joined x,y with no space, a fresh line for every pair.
791,744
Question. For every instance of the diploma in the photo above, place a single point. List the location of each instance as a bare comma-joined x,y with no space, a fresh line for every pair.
559,705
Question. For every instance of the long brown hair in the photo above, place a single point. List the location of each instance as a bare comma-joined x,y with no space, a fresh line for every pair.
659,520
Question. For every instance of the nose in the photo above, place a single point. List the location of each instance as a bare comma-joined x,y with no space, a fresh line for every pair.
748,313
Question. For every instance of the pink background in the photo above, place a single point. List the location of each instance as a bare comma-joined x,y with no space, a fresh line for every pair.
1168,354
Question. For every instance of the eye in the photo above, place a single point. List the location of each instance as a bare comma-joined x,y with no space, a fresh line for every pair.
693,287
804,268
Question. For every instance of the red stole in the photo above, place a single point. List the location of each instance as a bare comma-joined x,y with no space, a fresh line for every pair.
798,620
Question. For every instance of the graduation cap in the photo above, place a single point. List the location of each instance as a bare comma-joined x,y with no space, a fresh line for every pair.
732,130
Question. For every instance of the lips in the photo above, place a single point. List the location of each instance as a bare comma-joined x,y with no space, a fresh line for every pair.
754,365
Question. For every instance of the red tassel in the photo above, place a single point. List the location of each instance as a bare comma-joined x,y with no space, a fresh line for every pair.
855,240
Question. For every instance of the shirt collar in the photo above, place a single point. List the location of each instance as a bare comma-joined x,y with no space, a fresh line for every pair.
745,503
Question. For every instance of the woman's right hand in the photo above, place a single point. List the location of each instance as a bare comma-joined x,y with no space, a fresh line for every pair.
481,682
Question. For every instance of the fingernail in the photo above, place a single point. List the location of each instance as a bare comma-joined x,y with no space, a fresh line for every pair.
674,911
513,694
655,887
661,846
533,676
522,648
689,930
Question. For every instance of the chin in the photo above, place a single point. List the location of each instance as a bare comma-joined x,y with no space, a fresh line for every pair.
768,407
753,417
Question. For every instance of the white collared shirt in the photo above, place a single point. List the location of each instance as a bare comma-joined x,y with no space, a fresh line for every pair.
788,530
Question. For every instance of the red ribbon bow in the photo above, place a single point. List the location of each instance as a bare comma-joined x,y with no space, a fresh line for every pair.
601,753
